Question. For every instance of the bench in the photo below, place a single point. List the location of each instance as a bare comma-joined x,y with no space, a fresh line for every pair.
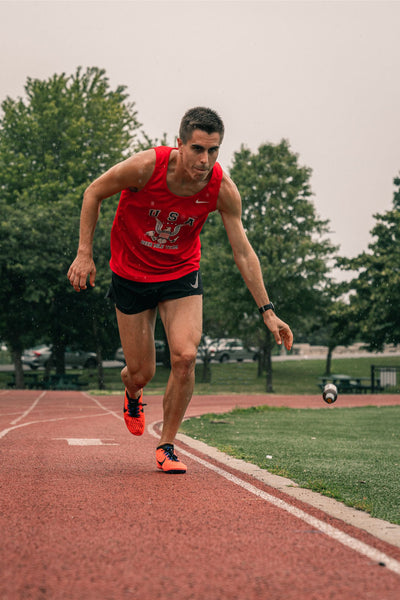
66,381
35,381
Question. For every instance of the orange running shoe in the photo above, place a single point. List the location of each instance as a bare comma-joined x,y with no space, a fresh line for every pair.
168,461
133,414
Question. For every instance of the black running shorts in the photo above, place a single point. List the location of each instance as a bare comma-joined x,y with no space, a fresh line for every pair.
131,297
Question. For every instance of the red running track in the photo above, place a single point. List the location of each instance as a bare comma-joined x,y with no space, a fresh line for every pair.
85,514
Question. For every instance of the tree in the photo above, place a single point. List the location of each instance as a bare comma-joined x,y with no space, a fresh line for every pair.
288,237
64,133
375,299
337,326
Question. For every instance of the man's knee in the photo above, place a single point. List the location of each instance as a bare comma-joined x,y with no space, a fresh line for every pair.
184,362
139,374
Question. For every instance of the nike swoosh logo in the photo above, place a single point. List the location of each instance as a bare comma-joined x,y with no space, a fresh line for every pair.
161,462
201,201
195,285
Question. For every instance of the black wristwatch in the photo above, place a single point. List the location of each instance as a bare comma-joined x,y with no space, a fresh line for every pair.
263,309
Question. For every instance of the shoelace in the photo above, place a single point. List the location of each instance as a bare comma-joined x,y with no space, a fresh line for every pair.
134,407
170,453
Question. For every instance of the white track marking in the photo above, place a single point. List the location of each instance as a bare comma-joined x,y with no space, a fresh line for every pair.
339,536
100,405
34,403
86,442
329,530
4,432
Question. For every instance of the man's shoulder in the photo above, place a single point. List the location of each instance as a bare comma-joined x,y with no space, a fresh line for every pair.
228,197
135,171
145,160
143,157
228,186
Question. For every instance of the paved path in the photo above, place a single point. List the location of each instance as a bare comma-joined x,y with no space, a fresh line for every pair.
85,514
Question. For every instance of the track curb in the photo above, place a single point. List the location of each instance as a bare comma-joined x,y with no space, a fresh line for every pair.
383,530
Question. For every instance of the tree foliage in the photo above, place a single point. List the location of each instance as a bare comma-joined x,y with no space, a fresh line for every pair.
54,141
375,297
289,238
334,323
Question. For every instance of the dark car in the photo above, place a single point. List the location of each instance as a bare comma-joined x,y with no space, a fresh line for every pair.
161,353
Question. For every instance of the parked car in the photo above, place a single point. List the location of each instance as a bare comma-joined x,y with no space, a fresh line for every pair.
160,352
119,355
206,347
39,356
232,349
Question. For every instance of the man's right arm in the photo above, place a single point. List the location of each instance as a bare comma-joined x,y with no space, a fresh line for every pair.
131,173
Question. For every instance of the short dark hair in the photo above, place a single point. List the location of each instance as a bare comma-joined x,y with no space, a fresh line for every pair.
202,118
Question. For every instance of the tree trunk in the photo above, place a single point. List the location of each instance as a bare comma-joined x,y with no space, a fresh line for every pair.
329,360
268,361
99,354
18,368
100,368
260,362
58,355
206,371
49,365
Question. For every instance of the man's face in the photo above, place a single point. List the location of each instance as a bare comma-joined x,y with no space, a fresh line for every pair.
200,153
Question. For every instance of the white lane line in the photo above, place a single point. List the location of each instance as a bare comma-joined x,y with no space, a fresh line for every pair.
4,432
86,442
100,405
332,532
34,403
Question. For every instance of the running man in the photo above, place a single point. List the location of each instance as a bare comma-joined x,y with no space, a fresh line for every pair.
166,196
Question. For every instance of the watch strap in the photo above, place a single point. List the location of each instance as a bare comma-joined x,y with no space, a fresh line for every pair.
269,306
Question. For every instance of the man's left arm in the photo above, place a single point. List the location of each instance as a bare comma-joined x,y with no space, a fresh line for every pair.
229,206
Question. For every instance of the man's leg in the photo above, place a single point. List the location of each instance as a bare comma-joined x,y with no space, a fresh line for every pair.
137,339
182,319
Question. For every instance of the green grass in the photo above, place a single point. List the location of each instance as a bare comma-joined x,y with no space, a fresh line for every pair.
289,377
351,454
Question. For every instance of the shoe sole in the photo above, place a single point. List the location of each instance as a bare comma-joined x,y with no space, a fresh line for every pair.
172,471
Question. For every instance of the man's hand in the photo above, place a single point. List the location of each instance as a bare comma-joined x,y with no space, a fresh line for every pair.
279,329
78,272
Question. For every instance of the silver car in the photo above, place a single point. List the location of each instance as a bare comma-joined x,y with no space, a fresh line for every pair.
232,349
39,356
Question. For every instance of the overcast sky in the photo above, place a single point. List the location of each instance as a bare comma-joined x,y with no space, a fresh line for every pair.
322,74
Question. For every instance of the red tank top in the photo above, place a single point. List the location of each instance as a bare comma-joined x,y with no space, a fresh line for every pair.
156,234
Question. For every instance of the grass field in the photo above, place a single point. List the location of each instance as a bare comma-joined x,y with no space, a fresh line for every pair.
350,454
289,377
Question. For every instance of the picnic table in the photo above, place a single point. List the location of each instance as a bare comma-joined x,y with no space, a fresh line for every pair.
347,384
32,381
66,381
